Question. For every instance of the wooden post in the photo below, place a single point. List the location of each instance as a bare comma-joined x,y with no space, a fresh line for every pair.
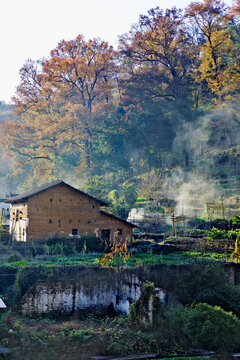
173,225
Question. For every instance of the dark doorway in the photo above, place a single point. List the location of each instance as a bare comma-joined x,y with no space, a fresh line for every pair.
106,234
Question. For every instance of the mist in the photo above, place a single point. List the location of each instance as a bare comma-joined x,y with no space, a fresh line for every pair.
212,143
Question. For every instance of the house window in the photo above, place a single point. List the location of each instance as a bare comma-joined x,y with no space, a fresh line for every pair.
74,232
89,221
60,200
17,215
59,223
50,200
50,221
119,231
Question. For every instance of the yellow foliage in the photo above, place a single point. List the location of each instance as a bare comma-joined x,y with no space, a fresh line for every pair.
236,253
116,251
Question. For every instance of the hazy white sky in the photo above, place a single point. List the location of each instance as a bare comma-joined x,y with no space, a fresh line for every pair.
32,28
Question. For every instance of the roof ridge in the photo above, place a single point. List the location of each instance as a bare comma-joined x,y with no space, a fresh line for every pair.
46,186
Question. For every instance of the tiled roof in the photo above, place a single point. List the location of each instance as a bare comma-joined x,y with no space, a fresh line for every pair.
44,187
118,218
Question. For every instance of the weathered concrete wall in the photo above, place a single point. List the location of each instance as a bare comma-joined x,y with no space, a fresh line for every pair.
65,296
114,292
76,288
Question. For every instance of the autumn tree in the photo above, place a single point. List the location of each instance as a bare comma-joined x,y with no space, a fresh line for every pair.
159,54
235,9
63,103
116,115
218,66
84,73
158,57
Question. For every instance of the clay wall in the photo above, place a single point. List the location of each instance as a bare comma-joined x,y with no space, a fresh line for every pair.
62,211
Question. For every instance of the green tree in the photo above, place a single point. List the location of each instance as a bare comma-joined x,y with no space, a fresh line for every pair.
129,195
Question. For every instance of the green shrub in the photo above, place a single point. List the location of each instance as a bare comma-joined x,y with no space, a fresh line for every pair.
236,219
227,297
191,282
3,326
199,283
139,309
27,277
28,249
80,335
21,283
196,231
19,264
93,244
55,246
202,326
215,233
233,234
198,222
212,328
53,241
124,341
14,257
56,249
220,223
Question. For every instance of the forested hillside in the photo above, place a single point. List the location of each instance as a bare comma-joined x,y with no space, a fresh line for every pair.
156,119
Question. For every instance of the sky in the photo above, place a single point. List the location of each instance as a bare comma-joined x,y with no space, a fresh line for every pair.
30,29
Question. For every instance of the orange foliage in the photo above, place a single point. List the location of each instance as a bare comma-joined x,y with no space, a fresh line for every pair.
116,251
62,104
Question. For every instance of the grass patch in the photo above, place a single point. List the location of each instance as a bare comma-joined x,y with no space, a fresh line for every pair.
137,259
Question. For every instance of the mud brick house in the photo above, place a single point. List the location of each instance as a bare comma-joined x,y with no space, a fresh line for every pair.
59,208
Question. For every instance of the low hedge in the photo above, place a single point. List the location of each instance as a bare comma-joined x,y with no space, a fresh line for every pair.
59,245
88,243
